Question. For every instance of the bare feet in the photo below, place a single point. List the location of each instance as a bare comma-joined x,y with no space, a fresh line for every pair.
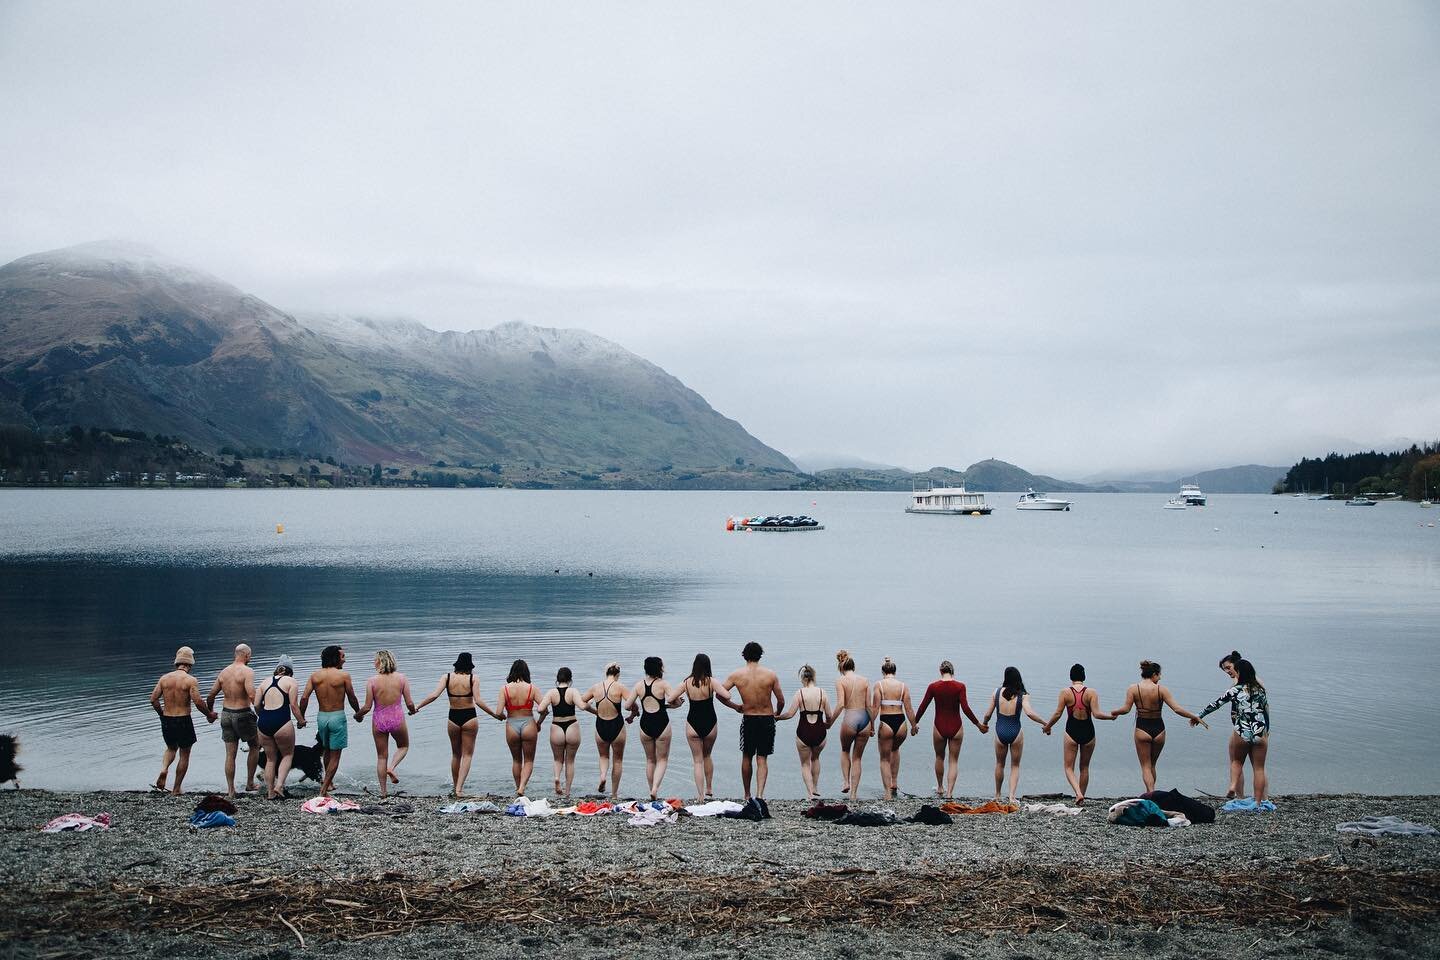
393,778
175,792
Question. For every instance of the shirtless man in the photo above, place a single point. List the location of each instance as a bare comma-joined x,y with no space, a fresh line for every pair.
171,698
332,687
237,720
758,686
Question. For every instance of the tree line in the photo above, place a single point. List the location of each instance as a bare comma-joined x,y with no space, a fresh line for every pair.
1412,473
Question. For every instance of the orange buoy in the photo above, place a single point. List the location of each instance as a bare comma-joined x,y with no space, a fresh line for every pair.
730,524
279,528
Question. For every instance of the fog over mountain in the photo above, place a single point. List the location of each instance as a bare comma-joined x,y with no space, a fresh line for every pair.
1073,236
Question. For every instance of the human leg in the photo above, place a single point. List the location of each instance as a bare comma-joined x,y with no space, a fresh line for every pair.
1238,752
953,748
1258,751
697,760
284,740
709,746
182,764
938,743
529,739
662,760
807,775
572,748
1086,752
382,760
617,763
762,772
468,732
1017,749
402,748
1071,749
1002,750
557,753
232,747
1145,753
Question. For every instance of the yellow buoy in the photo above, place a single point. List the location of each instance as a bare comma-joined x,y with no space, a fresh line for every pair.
279,528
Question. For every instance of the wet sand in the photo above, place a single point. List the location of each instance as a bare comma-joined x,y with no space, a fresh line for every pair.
1283,884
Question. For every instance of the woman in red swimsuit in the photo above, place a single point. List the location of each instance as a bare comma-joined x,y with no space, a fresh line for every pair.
948,695
813,707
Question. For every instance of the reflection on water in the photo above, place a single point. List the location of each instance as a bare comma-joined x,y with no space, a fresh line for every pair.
97,589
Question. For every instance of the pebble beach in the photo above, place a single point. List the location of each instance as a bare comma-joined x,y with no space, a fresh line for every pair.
286,883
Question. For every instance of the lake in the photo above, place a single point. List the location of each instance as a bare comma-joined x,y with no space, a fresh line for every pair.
1337,606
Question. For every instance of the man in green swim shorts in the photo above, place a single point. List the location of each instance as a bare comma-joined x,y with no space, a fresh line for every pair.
332,687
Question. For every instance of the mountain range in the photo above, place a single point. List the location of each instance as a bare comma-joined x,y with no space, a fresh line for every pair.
113,334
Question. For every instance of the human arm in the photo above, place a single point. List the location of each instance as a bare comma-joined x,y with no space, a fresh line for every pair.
1095,711
988,711
1214,705
350,694
1125,707
635,698
305,697
722,693
1030,710
677,694
543,706
155,699
909,709
1167,698
369,696
1059,709
965,708
214,692
778,694
790,711
409,703
836,710
925,702
290,697
210,715
439,689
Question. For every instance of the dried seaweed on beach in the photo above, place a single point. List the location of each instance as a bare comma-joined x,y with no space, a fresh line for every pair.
1013,898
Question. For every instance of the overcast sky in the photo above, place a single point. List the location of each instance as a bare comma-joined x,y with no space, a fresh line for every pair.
1081,237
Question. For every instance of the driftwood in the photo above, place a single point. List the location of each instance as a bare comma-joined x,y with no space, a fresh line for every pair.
1012,898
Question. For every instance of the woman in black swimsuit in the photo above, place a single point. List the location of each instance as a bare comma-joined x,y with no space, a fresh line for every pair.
608,700
277,716
564,729
1149,699
1083,706
462,722
699,688
813,707
648,702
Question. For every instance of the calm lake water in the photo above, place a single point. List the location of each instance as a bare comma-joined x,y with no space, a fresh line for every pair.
1337,606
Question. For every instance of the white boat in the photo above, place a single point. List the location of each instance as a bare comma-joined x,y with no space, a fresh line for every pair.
1176,504
1426,503
1360,502
1039,501
925,498
1191,494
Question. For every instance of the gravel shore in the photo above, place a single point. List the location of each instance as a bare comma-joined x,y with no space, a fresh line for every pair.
714,887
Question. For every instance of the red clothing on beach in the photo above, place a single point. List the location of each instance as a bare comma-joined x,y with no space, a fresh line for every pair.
949,697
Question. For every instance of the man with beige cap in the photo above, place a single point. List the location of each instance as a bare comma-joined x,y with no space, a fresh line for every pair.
171,698
236,683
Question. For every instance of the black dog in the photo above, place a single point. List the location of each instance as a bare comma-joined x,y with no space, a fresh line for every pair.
9,769
310,761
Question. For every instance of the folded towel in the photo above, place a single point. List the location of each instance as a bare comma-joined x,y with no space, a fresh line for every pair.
713,808
1248,805
203,820
1059,809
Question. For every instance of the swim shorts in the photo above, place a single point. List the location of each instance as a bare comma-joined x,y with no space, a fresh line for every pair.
238,726
757,736
179,732
331,731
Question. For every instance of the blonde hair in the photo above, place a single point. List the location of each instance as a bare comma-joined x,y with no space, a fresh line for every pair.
807,674
385,661
612,669
843,661
947,667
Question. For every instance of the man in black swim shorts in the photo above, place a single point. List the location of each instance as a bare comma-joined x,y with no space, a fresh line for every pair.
172,698
762,699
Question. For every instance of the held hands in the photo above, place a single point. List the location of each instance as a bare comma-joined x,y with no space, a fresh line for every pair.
212,716
984,728
1046,728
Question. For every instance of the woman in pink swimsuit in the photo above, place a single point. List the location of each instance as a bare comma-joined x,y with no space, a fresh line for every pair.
388,695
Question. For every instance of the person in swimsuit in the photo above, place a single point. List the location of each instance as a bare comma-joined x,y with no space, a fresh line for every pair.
388,695
1083,706
236,683
332,687
463,721
518,700
564,729
608,700
701,723
277,716
1149,699
852,699
1009,738
171,699
813,708
758,687
948,695
1250,714
648,702
890,704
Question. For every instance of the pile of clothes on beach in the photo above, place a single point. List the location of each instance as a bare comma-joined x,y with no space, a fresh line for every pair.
1160,808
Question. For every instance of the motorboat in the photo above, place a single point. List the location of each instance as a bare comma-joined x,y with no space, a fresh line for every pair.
1039,501
1176,504
1191,494
954,501
1360,502
1426,503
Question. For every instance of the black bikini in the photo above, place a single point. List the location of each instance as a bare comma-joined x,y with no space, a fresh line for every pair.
1154,726
1081,731
564,710
702,715
653,724
462,716
608,729
810,731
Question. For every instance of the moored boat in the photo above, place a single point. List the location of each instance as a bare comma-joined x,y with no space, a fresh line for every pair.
1039,501
1190,493
1360,502
953,501
1175,504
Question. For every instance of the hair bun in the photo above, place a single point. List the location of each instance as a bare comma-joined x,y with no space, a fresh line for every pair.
842,656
